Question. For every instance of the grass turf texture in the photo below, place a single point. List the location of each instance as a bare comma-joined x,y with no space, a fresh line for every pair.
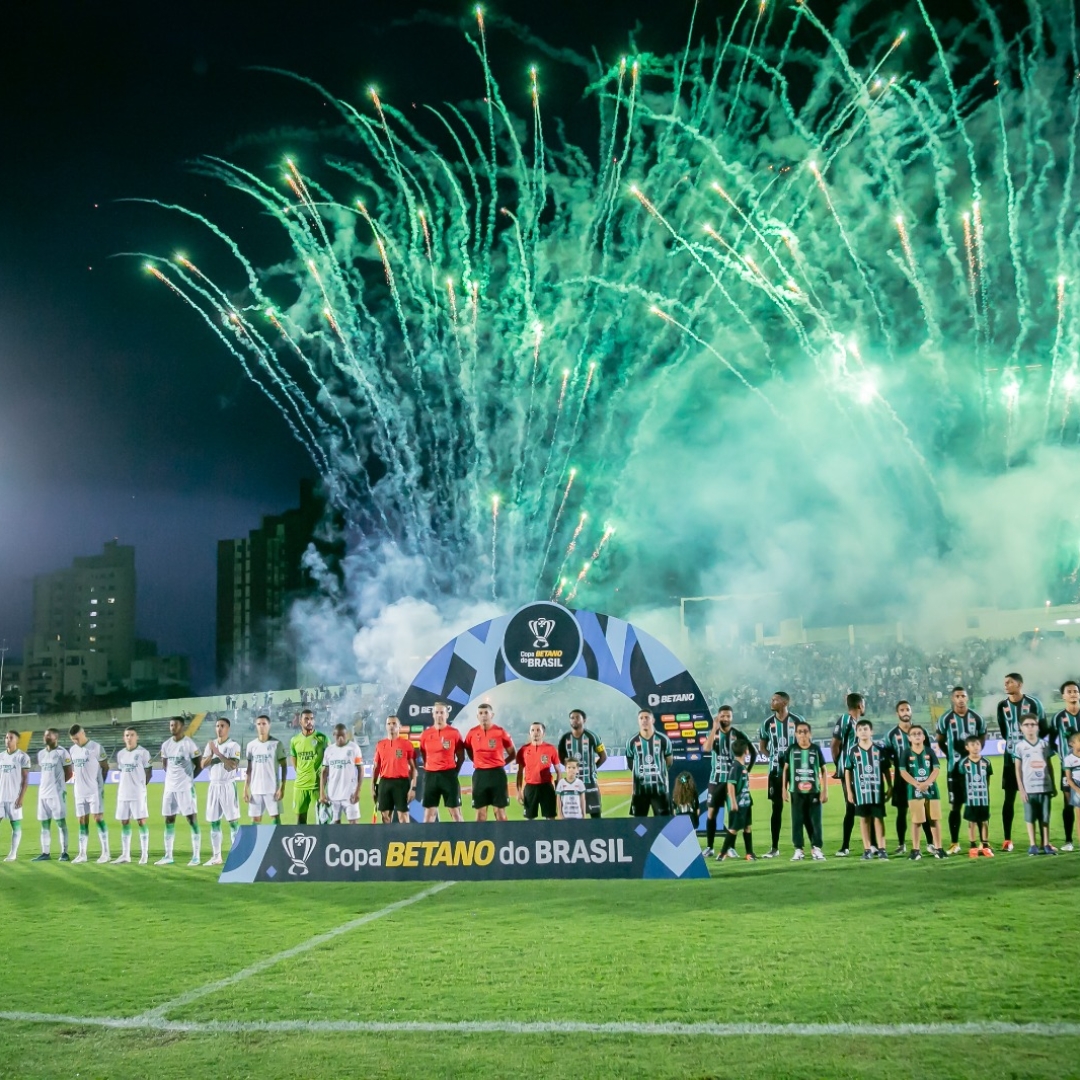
776,942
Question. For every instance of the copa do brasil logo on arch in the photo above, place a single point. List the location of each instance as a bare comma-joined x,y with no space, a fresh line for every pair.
542,642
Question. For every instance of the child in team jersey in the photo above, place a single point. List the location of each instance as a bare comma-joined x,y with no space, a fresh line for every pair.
919,769
1035,780
976,772
1070,776
738,814
570,792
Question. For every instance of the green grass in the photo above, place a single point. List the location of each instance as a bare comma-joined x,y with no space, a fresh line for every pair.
843,941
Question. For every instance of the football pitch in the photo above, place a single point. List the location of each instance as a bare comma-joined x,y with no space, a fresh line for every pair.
770,969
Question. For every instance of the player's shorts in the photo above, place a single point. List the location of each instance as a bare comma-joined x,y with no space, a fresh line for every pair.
221,802
489,788
94,805
351,810
740,820
263,804
592,800
776,787
51,809
957,790
641,802
1074,798
304,799
976,813
870,810
444,785
1008,773
10,811
717,798
174,803
539,800
925,810
1037,808
394,794
128,809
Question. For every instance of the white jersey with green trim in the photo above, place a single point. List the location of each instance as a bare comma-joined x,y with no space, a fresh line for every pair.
89,781
132,765
230,751
51,765
11,770
341,761
179,755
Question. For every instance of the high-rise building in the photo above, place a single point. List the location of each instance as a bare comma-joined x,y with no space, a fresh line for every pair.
258,577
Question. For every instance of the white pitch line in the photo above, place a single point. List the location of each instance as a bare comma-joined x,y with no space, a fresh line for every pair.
261,965
549,1027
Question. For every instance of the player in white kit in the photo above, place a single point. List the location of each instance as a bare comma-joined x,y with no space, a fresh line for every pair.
135,771
182,762
222,758
342,773
90,765
54,768
14,776
266,758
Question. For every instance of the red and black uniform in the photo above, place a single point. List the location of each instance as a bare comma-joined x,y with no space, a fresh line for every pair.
391,770
442,749
537,762
488,751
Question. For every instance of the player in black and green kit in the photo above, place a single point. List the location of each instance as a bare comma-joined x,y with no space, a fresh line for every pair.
718,744
976,771
843,739
1009,710
306,757
739,814
952,731
1062,728
806,787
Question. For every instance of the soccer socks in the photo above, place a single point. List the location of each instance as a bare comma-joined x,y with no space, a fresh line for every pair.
84,838
61,828
215,838
849,824
901,825
46,838
103,837
170,838
710,832
234,828
16,837
144,841
1067,820
748,843
1008,809
954,823
777,822
729,842
196,840
276,820
125,839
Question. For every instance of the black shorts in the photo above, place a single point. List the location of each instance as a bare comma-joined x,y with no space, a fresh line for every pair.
592,801
442,785
540,800
717,796
641,802
489,789
957,792
740,820
1008,773
871,810
776,787
394,794
977,813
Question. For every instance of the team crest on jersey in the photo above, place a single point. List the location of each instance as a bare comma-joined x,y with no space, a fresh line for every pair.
446,744
399,753
491,744
543,759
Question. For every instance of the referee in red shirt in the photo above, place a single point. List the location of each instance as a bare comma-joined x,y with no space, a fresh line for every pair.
393,776
444,751
491,750
538,769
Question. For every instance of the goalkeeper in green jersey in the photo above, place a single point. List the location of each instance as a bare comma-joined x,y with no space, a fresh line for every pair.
306,752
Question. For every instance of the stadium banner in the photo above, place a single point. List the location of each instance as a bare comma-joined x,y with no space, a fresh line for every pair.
636,848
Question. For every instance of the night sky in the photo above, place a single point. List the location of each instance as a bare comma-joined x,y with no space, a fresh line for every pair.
120,415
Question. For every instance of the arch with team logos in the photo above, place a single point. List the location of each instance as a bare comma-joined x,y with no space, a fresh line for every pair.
544,643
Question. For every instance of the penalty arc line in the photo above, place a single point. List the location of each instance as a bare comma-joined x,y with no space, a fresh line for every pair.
549,1027
186,998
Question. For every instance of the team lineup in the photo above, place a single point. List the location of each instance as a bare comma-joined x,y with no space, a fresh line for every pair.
903,769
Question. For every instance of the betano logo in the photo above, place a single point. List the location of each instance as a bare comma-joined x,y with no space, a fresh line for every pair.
299,847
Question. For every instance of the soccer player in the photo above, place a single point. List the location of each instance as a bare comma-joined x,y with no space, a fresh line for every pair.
897,746
919,770
1070,777
54,766
135,771
393,774
589,750
570,792
182,762
90,765
14,776
443,750
1062,728
977,771
267,768
1009,710
739,811
805,781
306,751
843,739
222,757
1035,779
342,774
952,731
777,733
649,755
718,745
538,766
491,750
864,779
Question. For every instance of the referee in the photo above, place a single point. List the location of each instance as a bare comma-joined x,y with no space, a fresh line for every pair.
649,756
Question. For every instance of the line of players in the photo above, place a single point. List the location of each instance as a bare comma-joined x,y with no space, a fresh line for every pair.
902,769
327,777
